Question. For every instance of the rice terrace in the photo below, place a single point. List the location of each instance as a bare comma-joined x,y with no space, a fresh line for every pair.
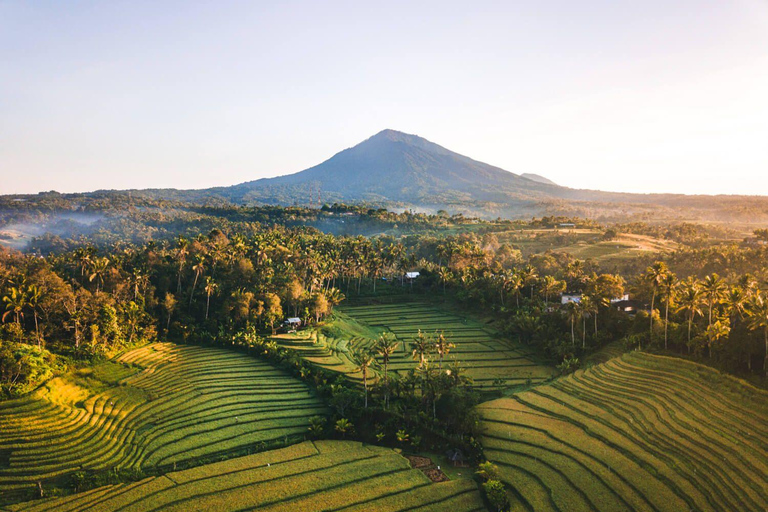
488,358
244,266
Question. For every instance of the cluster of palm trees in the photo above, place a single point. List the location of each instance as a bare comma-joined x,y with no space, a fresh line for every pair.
423,346
718,305
20,299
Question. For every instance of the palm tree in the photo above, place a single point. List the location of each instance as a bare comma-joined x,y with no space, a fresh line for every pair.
343,426
717,331
420,346
713,291
667,289
530,276
551,286
574,312
386,346
210,289
442,347
15,303
181,256
689,301
654,275
363,360
198,268
514,284
99,269
586,308
445,274
33,300
758,319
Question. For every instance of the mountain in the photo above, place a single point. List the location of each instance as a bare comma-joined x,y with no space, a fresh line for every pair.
395,167
398,170
537,178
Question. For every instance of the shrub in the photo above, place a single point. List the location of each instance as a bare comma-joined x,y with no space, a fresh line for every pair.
496,495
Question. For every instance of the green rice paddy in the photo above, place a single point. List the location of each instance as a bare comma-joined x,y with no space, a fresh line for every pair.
311,476
156,406
487,357
640,432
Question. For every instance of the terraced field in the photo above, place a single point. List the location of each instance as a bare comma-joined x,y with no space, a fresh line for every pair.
157,406
320,475
485,356
640,432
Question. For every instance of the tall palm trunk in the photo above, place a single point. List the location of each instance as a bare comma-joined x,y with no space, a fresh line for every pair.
653,304
37,331
690,325
573,333
666,322
765,361
192,295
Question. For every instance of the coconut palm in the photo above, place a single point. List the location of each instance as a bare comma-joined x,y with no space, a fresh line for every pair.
667,290
758,320
99,269
574,312
654,276
198,268
515,284
442,347
551,286
421,345
444,274
363,360
210,289
689,301
15,304
34,294
713,291
386,346
587,308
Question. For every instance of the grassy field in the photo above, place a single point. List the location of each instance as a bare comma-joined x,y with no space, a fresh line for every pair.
320,475
155,406
640,432
484,355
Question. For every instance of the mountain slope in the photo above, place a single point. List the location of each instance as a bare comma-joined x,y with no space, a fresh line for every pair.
537,178
394,166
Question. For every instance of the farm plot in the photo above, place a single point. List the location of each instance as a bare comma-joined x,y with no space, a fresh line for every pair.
485,356
640,432
171,404
320,475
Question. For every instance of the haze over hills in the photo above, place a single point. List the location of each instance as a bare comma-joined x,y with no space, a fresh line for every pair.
397,170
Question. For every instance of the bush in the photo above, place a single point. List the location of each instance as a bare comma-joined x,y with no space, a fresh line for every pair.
569,365
23,367
496,495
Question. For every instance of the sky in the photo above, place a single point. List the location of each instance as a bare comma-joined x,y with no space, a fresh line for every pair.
651,96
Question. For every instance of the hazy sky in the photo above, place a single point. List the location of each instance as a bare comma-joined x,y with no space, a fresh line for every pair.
652,95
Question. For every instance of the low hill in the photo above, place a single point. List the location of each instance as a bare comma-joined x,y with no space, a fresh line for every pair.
639,432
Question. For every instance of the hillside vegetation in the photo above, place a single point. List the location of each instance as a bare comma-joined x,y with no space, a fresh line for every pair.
321,475
640,432
159,405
